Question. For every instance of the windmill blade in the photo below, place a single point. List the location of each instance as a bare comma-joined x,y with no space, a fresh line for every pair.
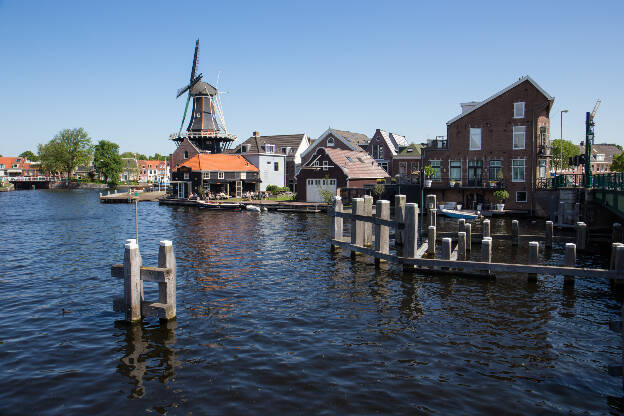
183,90
194,61
188,99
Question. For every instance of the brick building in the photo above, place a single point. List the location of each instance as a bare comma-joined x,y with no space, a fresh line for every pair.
501,142
337,139
384,146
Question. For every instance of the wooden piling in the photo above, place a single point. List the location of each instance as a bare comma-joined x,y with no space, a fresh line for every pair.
616,235
486,250
486,228
461,245
132,282
357,227
613,250
533,255
461,223
446,250
619,259
336,232
382,232
570,261
167,289
431,240
399,216
410,245
468,231
581,235
368,226
432,216
549,234
514,232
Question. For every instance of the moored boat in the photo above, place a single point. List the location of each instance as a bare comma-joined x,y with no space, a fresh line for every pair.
452,213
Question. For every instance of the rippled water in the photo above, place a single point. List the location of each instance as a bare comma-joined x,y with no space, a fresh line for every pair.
270,321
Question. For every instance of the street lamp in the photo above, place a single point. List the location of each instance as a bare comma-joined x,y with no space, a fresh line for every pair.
561,142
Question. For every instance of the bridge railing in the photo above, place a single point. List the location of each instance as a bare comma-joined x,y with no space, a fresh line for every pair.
610,181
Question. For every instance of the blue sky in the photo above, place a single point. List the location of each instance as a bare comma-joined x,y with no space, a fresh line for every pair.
289,67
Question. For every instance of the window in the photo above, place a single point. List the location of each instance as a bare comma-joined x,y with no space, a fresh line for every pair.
518,137
317,182
384,166
316,163
269,148
276,166
310,181
186,175
519,110
455,170
475,172
330,142
435,164
475,139
402,168
496,166
521,196
517,170
221,175
380,151
349,159
243,175
325,165
186,154
244,148
415,166
206,175
332,181
541,171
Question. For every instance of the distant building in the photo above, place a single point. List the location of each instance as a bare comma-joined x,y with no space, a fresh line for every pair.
19,166
332,169
290,146
337,139
130,170
384,146
601,158
407,163
153,171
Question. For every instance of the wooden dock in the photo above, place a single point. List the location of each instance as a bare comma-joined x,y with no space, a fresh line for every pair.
280,206
130,197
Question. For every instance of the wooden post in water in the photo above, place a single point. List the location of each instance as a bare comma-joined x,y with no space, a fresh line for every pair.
533,255
357,227
613,250
616,235
336,232
549,234
446,250
619,260
368,226
461,245
486,228
382,232
570,261
581,236
410,245
514,232
461,224
432,216
486,251
399,217
167,289
431,237
132,282
468,230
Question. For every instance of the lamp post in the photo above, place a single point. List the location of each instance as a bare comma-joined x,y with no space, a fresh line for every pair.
561,143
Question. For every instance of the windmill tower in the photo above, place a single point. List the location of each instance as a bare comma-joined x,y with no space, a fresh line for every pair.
206,128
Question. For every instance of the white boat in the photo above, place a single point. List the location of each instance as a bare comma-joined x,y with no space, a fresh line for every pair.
252,208
453,213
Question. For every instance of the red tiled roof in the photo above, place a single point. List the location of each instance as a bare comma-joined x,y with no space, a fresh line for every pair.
223,162
356,165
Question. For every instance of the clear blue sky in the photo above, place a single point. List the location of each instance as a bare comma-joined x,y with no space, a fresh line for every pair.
289,67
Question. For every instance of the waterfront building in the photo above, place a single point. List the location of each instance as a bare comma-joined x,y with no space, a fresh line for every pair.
291,146
19,166
330,169
406,164
337,139
153,171
228,174
500,142
384,146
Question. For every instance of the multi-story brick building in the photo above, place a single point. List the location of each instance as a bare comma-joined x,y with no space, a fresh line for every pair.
501,142
19,166
384,146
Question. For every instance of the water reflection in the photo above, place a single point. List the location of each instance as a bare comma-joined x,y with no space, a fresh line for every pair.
147,353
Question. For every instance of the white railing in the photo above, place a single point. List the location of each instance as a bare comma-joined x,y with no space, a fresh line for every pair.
27,179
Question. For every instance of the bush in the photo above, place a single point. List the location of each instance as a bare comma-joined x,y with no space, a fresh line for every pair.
501,196
274,189
429,171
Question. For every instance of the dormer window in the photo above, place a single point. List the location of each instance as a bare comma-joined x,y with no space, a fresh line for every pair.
269,148
330,142
244,148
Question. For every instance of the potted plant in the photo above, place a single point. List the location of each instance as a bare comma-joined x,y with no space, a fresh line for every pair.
501,196
452,183
500,177
429,173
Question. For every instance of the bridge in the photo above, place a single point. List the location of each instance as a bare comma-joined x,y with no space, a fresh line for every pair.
30,182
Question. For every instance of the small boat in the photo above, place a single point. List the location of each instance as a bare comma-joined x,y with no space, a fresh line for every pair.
252,208
220,206
453,213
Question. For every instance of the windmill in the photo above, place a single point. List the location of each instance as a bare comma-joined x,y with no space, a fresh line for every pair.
206,128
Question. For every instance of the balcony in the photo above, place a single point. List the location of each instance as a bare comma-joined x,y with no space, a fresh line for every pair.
439,143
467,183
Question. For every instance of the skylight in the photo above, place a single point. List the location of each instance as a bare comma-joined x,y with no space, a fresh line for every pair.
349,159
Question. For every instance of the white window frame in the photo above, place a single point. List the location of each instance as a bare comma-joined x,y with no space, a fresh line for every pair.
517,107
325,165
526,196
221,175
403,168
206,175
473,131
455,167
331,142
438,175
243,175
269,148
186,175
513,176
519,130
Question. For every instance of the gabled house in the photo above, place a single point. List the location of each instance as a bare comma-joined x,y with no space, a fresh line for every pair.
153,171
337,139
384,146
407,163
19,166
283,149
500,142
329,170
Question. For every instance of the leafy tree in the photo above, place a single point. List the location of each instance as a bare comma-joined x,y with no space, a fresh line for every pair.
107,161
50,157
127,155
29,155
141,156
618,163
565,147
68,149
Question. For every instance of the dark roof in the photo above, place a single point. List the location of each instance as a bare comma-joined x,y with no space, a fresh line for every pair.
413,150
609,150
355,138
356,165
257,144
203,88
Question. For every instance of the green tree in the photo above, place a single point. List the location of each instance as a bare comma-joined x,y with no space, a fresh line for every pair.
50,157
68,149
127,155
618,163
29,155
565,148
107,161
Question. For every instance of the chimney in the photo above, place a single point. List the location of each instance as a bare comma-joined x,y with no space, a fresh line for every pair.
256,134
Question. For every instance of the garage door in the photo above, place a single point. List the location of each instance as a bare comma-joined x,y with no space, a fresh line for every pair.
317,187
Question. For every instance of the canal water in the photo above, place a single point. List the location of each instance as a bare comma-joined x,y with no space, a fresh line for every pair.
270,322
